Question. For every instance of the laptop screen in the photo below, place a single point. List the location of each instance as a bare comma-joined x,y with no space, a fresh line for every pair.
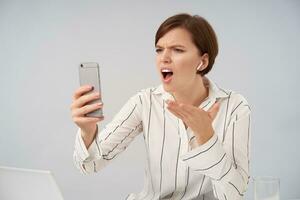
24,184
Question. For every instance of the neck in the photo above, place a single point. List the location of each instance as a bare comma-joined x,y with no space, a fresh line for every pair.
193,94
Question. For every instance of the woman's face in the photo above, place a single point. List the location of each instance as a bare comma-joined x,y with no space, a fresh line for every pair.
177,60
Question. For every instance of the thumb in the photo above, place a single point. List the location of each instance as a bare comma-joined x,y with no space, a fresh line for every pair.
213,111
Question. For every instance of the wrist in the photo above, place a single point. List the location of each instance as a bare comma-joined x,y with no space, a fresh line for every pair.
203,138
89,136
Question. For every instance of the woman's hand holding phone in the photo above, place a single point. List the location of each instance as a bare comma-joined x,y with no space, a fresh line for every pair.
79,109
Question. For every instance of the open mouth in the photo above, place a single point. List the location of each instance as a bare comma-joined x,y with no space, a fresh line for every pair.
166,73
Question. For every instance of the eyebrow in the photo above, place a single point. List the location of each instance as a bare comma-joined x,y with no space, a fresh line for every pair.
172,46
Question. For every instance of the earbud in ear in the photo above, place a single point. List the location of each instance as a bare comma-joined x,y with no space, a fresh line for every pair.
199,66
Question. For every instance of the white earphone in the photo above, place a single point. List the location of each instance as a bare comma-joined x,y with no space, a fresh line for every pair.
199,66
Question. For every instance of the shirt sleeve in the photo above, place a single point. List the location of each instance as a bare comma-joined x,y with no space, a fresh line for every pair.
226,161
112,140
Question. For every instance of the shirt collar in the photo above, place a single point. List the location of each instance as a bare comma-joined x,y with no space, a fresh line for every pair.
215,93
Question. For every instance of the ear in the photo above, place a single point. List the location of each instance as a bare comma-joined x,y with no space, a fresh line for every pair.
205,61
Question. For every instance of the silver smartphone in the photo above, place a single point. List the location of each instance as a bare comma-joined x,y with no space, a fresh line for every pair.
89,74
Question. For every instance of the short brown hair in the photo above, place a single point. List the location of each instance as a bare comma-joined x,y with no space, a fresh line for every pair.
201,31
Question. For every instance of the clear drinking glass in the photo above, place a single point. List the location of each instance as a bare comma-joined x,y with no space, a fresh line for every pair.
266,188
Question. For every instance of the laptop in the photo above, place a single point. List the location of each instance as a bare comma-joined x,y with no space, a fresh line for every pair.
25,184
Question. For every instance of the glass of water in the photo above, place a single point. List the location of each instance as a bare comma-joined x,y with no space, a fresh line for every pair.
266,188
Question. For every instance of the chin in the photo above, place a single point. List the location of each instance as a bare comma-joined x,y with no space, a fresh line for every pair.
168,88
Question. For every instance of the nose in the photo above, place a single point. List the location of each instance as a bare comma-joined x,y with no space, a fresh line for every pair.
165,56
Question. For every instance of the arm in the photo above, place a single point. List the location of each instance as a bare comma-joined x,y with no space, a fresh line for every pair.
112,140
226,161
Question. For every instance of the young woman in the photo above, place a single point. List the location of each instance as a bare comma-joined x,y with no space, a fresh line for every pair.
196,134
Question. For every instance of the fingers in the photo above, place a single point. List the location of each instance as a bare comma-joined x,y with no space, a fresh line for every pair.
187,111
84,99
81,90
184,109
176,109
213,111
82,111
177,114
80,107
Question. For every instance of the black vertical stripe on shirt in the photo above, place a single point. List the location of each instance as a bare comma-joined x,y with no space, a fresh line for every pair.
233,125
224,129
95,170
121,123
140,99
248,144
148,132
187,179
178,153
148,144
144,137
162,149
199,193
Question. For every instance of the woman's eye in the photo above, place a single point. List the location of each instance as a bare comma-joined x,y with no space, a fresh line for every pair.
158,50
179,50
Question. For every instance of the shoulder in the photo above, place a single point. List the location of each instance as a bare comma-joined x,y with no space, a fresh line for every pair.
228,97
236,104
237,98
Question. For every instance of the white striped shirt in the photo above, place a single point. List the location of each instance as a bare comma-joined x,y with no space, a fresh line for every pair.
178,168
